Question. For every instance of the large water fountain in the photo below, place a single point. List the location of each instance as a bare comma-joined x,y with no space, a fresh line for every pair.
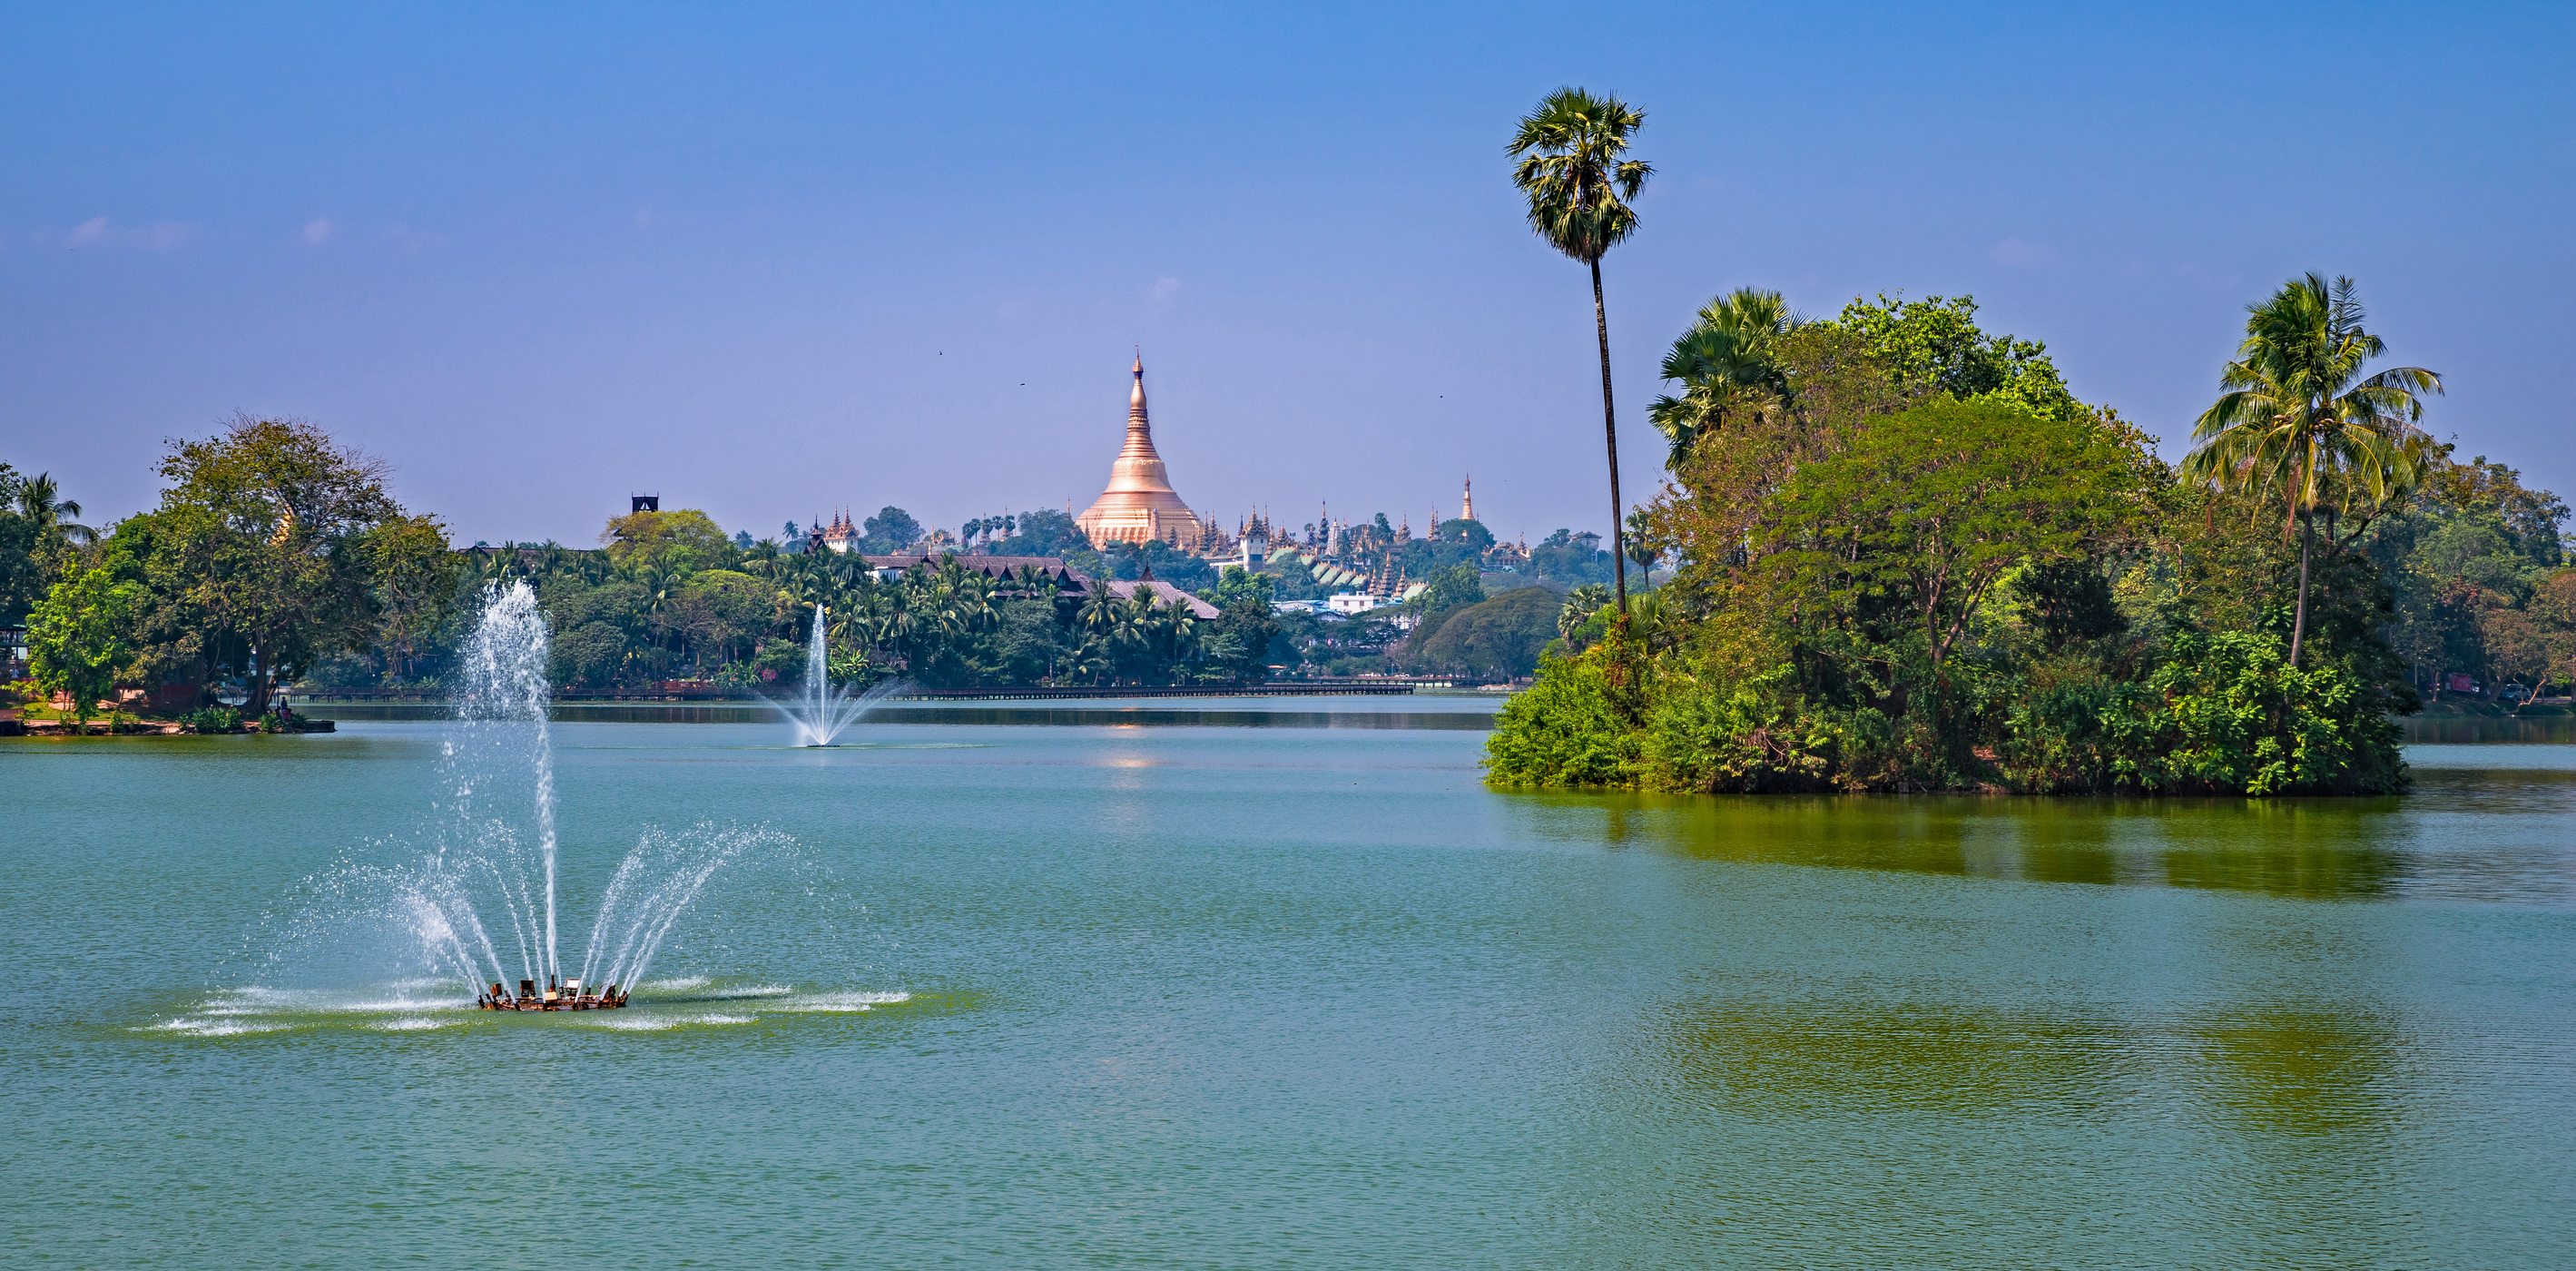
494,850
820,711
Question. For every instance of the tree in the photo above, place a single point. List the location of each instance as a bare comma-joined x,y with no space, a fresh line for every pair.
1449,590
1237,584
1927,511
1935,345
891,530
1044,532
1581,605
41,502
22,573
1499,636
414,573
2301,423
1727,366
77,637
1469,535
683,538
1237,644
1572,169
260,540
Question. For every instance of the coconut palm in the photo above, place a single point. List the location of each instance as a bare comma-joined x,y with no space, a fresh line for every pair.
40,501
1098,609
1571,165
1726,364
1131,622
1180,631
2301,423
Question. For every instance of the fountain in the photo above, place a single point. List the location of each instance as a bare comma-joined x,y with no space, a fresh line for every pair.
822,711
494,852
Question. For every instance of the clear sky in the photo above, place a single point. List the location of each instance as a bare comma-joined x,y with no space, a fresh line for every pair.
769,260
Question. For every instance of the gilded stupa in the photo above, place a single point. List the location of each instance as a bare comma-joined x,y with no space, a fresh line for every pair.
1139,504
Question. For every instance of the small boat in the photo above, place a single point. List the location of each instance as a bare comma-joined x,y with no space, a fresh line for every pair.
564,997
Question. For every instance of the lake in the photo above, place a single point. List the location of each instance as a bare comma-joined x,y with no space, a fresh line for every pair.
1279,982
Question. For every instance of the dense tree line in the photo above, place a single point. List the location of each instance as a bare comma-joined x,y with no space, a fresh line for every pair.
1910,559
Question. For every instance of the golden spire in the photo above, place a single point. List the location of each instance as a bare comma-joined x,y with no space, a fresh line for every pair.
1139,503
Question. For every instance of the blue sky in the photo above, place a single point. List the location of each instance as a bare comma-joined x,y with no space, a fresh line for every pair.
769,260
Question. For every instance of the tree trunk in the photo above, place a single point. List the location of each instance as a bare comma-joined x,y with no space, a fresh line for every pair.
1610,439
255,687
2299,624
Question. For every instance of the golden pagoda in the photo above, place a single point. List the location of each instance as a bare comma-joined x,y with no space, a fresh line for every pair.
1139,504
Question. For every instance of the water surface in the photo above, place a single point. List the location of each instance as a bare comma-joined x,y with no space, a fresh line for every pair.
1040,991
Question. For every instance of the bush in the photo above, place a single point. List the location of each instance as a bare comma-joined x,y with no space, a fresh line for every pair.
212,719
2237,718
1563,730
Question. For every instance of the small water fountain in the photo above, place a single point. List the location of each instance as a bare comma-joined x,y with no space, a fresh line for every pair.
494,851
820,711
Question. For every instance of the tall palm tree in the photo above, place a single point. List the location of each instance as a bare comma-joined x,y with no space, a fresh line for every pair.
1571,165
1727,366
2300,422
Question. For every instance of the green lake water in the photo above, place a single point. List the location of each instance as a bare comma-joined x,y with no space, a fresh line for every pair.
1265,983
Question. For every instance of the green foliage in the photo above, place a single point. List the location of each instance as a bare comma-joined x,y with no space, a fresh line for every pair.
1499,637
682,539
1923,566
1933,345
1156,559
77,637
1563,732
1467,536
1728,364
258,554
891,530
1573,167
1745,738
22,570
414,575
212,719
1239,584
1237,647
2301,425
1582,612
2237,717
1044,532
1923,513
1568,559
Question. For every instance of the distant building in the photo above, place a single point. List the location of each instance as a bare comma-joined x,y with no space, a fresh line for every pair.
644,503
1139,505
841,535
1252,547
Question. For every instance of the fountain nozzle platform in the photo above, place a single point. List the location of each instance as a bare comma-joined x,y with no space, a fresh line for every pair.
566,997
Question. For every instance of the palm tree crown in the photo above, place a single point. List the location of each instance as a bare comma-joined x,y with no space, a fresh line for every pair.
1571,168
1726,365
41,502
2300,421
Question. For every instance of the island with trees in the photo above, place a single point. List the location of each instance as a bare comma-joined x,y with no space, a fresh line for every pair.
1909,559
